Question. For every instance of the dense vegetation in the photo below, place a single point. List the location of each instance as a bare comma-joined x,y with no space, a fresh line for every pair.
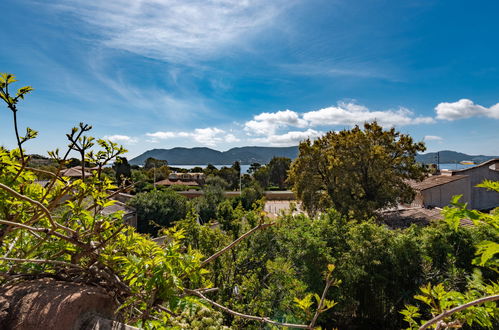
225,253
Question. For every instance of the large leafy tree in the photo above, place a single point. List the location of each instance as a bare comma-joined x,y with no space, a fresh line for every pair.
356,171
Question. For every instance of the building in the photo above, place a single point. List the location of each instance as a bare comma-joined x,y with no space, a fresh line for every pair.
438,190
184,179
75,172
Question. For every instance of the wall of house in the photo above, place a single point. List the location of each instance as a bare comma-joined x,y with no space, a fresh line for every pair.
482,199
440,196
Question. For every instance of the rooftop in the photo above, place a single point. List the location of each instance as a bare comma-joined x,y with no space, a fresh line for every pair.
435,180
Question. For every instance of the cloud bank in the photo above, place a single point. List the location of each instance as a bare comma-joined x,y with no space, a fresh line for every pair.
465,108
210,136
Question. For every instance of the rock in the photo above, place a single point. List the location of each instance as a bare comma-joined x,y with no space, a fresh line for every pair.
49,304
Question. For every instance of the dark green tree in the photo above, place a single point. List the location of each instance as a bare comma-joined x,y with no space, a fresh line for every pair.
123,170
278,171
157,209
153,162
254,167
262,176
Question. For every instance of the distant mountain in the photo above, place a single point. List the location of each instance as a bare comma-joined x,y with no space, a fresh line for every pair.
201,156
262,155
450,157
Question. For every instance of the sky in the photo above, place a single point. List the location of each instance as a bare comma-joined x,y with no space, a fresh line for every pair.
152,74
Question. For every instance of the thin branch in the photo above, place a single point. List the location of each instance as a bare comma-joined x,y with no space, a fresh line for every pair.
234,243
41,261
329,281
39,205
457,309
245,316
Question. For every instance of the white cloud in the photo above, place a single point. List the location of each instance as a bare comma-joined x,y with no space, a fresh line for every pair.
121,139
288,139
343,114
465,108
162,135
352,114
432,138
210,136
268,123
175,30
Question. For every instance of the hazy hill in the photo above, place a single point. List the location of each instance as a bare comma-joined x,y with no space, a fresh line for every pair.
195,156
449,157
262,155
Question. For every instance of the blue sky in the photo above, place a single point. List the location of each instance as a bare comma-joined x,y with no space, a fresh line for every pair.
224,73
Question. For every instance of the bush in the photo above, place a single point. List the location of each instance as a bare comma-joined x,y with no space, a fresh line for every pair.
158,208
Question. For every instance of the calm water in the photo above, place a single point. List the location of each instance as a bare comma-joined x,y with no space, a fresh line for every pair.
244,168
454,166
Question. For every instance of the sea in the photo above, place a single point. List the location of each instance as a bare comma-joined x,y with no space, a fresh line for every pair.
245,168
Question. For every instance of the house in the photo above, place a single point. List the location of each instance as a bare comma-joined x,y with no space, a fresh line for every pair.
184,179
75,172
129,213
438,190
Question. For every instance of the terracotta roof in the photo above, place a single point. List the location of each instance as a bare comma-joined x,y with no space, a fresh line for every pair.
402,218
168,182
74,172
435,180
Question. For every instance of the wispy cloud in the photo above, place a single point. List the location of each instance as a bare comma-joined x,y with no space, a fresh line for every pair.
174,30
465,108
432,138
291,138
209,136
121,139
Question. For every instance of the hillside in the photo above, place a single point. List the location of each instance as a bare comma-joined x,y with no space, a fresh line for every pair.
197,156
450,157
262,155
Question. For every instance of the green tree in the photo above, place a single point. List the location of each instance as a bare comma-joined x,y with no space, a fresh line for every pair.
254,167
158,208
262,176
153,162
123,170
356,171
278,171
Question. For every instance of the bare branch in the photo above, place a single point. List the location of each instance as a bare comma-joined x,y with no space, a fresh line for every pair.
329,281
234,243
458,309
38,204
245,316
41,261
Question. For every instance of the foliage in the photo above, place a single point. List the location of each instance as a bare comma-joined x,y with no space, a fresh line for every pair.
278,171
441,298
356,171
123,171
153,162
158,208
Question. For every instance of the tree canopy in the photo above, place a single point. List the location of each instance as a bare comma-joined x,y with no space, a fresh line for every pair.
356,171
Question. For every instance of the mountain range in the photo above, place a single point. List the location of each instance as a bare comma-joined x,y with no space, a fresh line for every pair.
262,155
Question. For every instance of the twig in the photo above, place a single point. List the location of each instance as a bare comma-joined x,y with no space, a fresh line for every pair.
42,261
246,316
39,205
234,243
457,309
321,302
